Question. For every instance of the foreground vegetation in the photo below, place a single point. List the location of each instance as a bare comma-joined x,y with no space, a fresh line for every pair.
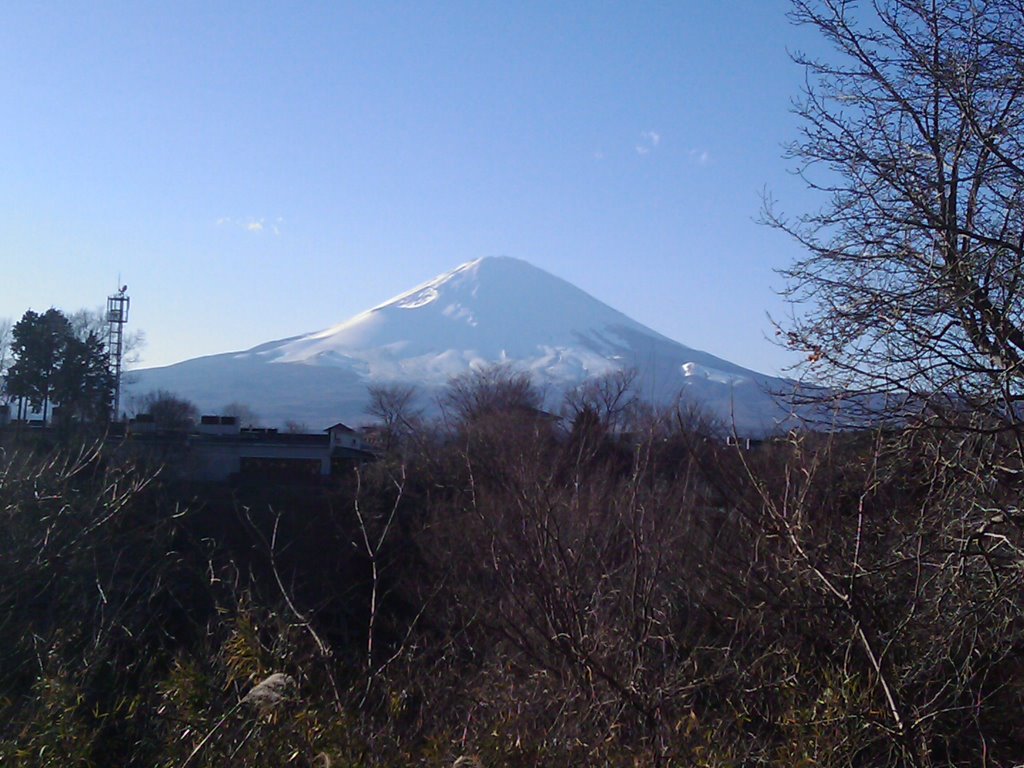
620,590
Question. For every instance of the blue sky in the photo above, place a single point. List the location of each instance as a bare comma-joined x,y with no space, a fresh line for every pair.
255,171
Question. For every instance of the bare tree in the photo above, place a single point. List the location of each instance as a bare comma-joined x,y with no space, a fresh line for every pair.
610,397
394,407
245,415
913,131
85,321
169,411
491,390
591,576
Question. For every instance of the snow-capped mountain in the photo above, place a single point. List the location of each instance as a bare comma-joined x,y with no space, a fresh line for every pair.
492,310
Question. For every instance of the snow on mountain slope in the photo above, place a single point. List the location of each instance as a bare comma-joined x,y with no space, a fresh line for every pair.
492,310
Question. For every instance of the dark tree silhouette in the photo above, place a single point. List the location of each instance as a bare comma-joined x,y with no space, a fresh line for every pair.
53,365
168,410
84,383
37,346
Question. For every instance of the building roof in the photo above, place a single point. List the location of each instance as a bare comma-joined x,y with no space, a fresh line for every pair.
339,427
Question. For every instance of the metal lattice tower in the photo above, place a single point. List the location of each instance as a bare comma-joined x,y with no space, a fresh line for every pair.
117,316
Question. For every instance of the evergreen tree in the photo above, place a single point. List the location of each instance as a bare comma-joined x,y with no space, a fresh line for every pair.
37,346
53,365
84,383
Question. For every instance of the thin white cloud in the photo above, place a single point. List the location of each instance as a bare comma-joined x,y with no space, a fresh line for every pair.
699,157
253,224
649,140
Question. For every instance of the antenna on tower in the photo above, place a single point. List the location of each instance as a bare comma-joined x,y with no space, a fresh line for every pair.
117,316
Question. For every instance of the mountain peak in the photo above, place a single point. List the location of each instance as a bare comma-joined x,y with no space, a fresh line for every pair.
504,274
492,310
489,310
